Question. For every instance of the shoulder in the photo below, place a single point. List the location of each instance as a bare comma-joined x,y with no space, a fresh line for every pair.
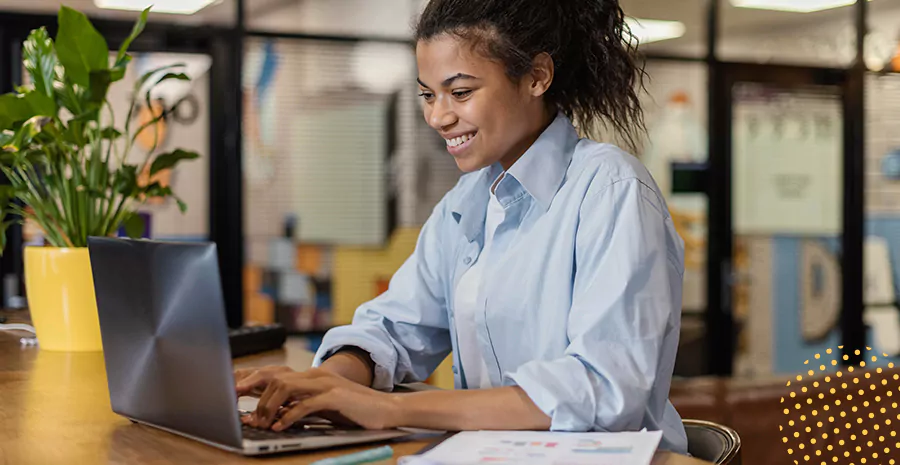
598,166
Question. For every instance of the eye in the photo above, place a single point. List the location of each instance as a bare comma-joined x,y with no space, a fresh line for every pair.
428,96
461,93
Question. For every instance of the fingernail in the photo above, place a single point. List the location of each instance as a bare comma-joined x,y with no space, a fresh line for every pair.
277,426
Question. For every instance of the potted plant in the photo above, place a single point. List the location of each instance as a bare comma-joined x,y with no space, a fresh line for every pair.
68,170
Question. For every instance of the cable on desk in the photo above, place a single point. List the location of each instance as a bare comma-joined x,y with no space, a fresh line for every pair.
18,327
25,341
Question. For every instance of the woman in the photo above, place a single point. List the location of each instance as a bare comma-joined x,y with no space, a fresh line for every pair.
552,270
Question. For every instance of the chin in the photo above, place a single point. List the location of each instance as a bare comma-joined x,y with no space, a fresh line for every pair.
467,165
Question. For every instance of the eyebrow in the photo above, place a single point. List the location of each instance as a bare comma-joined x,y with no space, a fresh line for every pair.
449,80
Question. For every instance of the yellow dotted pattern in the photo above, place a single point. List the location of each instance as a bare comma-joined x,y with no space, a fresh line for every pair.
850,402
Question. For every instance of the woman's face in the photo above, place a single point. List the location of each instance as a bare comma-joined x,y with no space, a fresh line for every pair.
483,115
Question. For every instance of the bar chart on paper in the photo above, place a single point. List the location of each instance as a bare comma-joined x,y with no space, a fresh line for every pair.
514,447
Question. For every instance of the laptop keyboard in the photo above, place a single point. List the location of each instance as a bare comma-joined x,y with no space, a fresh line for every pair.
258,434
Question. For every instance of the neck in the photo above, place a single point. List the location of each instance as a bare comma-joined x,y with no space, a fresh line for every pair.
545,121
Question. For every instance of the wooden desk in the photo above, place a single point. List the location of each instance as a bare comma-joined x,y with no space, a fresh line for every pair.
54,409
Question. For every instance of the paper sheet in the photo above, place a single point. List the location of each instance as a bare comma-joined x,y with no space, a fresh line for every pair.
508,447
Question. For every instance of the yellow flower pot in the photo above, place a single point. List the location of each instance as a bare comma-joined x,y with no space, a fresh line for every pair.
60,291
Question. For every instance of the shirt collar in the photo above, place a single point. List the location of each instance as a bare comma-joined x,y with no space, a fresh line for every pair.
539,171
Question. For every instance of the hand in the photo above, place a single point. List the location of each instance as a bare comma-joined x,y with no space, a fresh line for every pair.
252,381
319,392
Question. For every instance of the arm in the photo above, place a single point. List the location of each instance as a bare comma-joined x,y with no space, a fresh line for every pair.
403,334
318,390
352,363
626,301
506,408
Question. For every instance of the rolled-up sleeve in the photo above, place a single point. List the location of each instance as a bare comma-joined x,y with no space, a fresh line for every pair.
405,329
623,296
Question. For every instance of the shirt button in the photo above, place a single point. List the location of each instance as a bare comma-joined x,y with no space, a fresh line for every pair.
467,260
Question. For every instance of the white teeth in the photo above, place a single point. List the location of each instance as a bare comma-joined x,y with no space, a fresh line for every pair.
457,141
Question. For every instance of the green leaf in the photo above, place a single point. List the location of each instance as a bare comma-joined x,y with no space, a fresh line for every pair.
149,74
140,84
13,109
69,97
100,81
7,193
118,71
6,137
157,190
26,133
135,31
168,76
52,130
168,160
126,180
110,133
74,133
40,104
181,205
134,225
3,227
79,47
92,114
39,59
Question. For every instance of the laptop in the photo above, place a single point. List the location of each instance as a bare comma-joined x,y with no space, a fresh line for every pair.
165,345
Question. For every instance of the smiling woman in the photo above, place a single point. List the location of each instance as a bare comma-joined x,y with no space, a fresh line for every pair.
552,270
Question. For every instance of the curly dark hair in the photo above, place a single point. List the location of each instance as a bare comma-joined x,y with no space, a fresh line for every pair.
597,73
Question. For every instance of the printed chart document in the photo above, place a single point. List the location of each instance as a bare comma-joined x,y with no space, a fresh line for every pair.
545,448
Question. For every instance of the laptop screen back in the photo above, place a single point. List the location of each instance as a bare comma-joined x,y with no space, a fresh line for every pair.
165,338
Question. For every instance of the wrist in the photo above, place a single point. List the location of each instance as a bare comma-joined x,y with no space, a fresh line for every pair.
398,411
353,364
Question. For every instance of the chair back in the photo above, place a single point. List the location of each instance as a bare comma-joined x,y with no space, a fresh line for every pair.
713,442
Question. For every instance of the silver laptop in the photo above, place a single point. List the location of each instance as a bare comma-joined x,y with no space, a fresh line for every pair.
165,344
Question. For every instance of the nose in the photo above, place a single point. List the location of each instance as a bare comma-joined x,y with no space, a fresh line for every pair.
442,115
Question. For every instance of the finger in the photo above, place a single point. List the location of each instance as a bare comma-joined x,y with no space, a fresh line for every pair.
242,373
251,382
275,396
301,410
282,389
287,406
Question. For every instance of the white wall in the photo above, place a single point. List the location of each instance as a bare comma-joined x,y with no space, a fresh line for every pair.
381,18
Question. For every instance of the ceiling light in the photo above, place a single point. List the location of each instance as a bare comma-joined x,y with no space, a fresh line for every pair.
654,30
180,7
797,6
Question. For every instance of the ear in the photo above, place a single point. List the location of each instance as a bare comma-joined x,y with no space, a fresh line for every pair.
541,75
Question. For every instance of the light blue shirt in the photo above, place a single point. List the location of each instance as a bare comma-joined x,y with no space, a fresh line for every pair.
582,284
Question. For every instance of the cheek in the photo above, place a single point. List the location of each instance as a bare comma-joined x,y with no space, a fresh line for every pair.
501,111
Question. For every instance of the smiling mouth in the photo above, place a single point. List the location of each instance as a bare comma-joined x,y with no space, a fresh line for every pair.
460,141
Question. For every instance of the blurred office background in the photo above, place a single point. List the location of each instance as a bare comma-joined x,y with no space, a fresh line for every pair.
771,128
